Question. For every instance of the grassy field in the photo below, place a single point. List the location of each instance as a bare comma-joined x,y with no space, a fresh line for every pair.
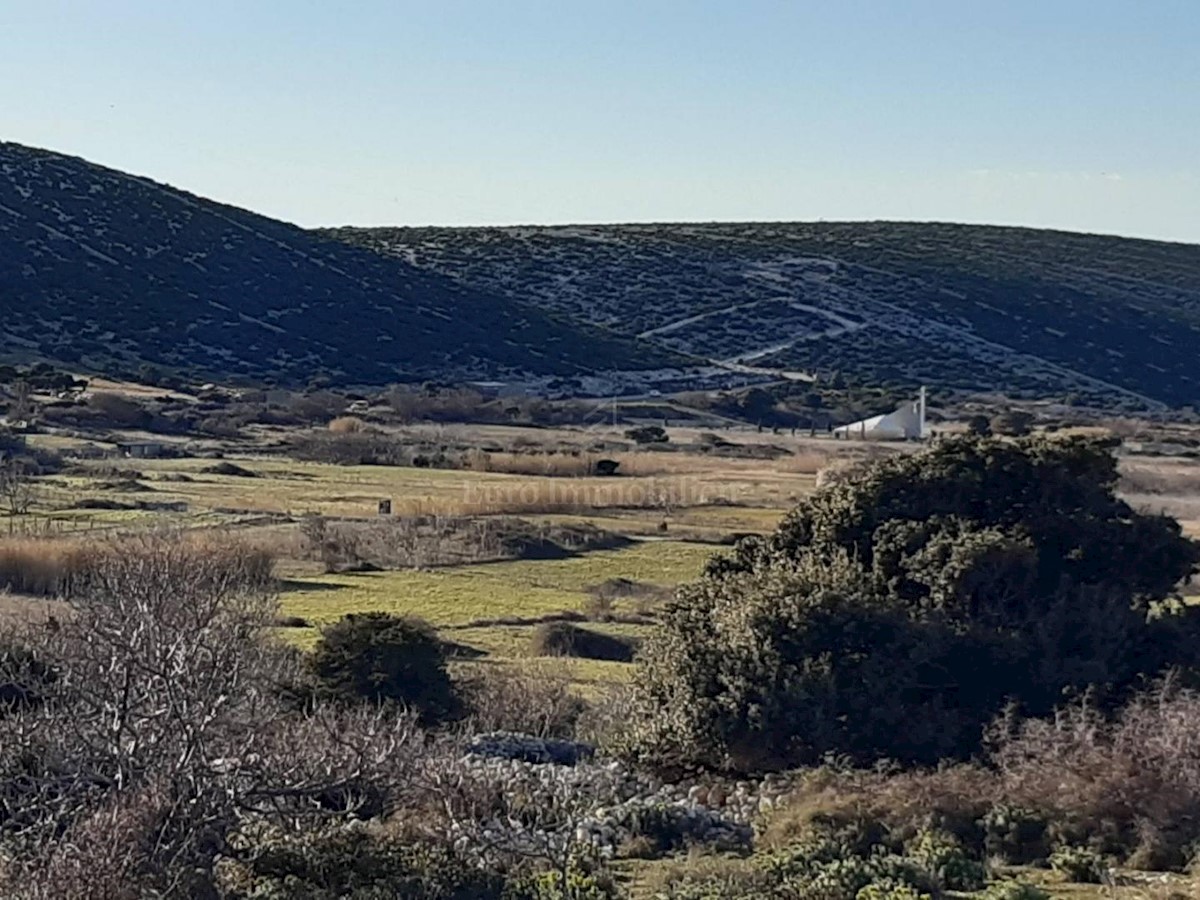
464,602
677,505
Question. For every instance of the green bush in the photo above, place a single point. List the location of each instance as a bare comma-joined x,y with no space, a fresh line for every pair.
1018,836
1014,890
890,889
944,857
379,657
1080,865
895,613
648,434
578,883
350,863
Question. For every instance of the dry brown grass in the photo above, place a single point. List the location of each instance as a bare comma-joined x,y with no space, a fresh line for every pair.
49,567
1162,477
40,567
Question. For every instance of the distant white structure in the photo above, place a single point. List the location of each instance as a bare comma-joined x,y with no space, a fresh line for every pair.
907,423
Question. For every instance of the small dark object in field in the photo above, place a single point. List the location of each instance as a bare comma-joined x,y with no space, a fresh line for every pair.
605,468
292,622
228,468
565,639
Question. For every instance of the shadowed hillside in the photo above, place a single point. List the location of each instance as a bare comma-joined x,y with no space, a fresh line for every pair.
107,271
1033,313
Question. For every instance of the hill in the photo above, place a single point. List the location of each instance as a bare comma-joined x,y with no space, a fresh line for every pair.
107,271
1109,321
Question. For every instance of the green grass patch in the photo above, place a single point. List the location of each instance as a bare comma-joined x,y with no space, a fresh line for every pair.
521,588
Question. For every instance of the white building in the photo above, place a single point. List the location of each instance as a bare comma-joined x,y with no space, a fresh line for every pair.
906,423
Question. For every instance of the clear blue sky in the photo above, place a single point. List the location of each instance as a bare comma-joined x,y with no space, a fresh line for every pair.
1063,113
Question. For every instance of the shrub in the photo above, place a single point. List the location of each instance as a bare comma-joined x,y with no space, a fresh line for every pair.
355,863
896,613
347,425
24,679
575,884
535,703
1014,890
1080,865
379,657
944,857
1127,785
890,889
116,411
568,639
1014,423
648,434
1015,834
979,425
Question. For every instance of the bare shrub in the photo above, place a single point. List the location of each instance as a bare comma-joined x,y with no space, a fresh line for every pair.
165,726
531,701
17,491
605,719
347,425
1126,787
1132,784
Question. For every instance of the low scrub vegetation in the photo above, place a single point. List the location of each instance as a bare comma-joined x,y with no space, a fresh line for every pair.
425,541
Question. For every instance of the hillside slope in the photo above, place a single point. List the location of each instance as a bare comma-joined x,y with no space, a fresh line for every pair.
1032,313
107,271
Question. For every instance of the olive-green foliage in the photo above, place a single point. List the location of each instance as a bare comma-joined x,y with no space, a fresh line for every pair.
944,857
1079,864
896,612
1014,890
576,884
890,889
380,657
350,863
843,864
1018,836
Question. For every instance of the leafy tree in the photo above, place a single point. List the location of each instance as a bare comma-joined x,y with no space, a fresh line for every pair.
896,612
380,657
